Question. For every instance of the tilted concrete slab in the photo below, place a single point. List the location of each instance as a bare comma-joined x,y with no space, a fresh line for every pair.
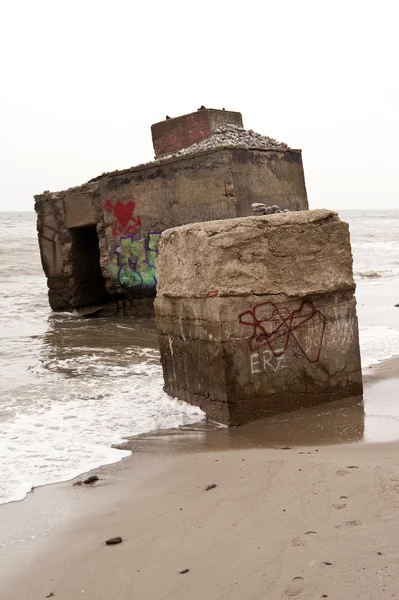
257,315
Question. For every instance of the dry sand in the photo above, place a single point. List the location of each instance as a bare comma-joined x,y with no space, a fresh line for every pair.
305,522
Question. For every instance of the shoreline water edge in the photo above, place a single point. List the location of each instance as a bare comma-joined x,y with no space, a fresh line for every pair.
79,388
266,500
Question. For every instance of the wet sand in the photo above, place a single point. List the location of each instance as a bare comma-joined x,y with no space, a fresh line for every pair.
248,538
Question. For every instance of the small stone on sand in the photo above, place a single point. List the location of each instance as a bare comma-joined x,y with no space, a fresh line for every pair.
114,540
210,487
91,479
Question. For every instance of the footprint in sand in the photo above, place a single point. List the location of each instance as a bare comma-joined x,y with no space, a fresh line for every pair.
298,542
296,587
342,472
348,524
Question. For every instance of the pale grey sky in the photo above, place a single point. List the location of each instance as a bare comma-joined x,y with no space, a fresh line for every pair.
82,82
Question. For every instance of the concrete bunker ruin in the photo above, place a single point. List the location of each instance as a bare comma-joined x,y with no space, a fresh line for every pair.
257,315
99,241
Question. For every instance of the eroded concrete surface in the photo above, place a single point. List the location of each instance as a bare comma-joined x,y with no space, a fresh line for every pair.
257,316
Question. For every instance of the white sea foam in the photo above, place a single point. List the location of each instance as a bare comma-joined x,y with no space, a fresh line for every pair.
377,344
55,435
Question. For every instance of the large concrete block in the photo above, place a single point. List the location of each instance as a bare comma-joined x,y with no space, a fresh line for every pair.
257,315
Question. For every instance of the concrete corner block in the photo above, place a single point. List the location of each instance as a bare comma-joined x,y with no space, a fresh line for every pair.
257,316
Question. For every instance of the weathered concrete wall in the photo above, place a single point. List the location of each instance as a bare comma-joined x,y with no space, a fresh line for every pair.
124,213
172,135
272,177
257,315
63,257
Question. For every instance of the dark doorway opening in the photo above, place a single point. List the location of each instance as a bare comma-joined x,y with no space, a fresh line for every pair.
89,285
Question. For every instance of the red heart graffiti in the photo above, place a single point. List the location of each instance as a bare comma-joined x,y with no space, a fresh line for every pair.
125,221
124,212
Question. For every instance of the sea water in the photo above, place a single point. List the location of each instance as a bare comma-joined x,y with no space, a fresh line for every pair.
71,388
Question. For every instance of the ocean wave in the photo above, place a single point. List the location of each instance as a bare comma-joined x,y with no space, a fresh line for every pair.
369,274
57,431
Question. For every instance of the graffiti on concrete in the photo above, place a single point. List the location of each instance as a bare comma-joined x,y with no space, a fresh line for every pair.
136,257
341,331
275,328
133,262
262,361
125,221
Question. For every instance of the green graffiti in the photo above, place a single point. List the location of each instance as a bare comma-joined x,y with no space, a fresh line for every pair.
135,257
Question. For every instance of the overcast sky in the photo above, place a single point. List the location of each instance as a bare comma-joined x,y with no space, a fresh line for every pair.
82,82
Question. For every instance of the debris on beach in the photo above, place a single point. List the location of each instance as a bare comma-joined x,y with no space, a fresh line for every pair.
184,571
91,479
210,487
113,541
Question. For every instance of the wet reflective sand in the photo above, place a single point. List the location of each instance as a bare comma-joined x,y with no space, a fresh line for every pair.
372,418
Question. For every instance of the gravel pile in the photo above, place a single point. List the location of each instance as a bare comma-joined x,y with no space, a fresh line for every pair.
224,136
261,209
232,135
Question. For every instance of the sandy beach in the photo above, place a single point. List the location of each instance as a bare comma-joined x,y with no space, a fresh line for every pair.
306,521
